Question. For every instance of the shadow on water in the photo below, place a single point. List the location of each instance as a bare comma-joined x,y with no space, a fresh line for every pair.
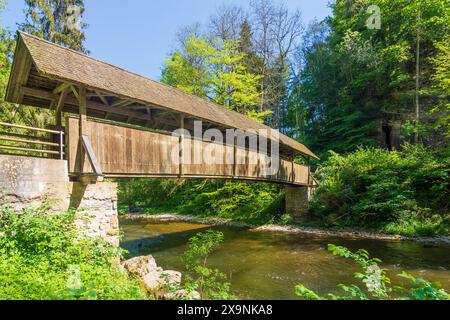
153,244
268,265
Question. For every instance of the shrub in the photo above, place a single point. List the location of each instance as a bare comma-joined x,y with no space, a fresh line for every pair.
45,257
209,283
377,285
405,192
246,201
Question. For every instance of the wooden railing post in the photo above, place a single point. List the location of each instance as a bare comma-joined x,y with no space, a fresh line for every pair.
61,145
293,169
235,155
309,172
181,145
82,125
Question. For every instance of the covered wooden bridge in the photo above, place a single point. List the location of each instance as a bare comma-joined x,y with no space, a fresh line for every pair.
117,124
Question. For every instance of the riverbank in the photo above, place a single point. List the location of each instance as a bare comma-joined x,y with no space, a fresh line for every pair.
268,265
344,233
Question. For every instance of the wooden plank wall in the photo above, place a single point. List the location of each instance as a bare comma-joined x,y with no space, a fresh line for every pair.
128,152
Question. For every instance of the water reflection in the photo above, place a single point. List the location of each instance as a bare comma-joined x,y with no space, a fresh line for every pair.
264,265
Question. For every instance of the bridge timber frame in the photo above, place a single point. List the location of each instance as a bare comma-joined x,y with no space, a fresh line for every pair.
137,115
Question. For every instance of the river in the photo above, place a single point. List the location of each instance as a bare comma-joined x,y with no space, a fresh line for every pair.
268,265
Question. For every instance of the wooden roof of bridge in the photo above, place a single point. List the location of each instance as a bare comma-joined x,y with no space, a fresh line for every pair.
41,66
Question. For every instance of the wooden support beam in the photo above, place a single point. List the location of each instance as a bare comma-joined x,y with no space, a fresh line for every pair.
122,103
119,111
83,126
19,74
181,143
310,181
91,156
75,93
83,111
102,98
62,87
59,107
235,150
293,168
27,91
150,120
60,102
129,103
101,107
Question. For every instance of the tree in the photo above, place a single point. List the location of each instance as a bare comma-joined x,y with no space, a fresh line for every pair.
57,21
5,67
226,23
277,32
441,87
13,112
208,282
360,85
251,61
214,70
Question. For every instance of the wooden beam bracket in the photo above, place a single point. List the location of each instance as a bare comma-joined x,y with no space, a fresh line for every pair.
92,158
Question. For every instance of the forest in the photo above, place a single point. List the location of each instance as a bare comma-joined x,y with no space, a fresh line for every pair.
367,91
373,104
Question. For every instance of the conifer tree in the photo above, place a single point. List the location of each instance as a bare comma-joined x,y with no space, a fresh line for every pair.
58,21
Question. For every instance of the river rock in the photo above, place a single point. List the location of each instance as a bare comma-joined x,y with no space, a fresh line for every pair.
183,295
141,266
157,280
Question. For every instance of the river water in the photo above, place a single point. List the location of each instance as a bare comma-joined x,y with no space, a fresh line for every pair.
268,265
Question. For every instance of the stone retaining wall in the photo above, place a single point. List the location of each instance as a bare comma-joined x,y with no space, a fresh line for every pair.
29,182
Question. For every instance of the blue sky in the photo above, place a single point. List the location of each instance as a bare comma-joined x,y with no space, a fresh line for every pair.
139,34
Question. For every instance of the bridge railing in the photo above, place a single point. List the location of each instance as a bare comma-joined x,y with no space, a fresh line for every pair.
128,152
31,141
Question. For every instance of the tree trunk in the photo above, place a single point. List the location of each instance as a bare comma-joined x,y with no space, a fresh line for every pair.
416,137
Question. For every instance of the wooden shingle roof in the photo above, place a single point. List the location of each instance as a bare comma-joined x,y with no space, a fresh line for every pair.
58,63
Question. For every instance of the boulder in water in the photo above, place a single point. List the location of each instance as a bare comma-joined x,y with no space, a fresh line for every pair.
183,295
161,280
140,266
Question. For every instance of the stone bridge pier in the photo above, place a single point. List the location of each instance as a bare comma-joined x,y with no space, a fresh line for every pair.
297,201
29,182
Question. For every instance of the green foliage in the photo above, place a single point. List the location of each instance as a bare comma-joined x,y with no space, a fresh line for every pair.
200,247
45,257
441,87
215,70
44,22
49,19
404,192
209,283
377,284
421,289
245,201
354,80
